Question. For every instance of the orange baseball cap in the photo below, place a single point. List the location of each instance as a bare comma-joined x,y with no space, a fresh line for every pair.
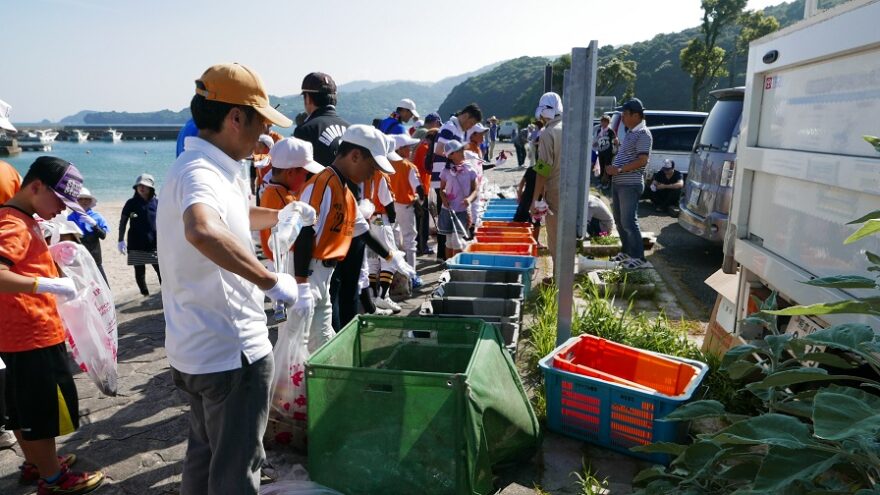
236,84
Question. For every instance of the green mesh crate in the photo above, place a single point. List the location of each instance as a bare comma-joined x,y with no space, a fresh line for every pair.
415,405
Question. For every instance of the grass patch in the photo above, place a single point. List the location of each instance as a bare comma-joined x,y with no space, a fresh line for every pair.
604,240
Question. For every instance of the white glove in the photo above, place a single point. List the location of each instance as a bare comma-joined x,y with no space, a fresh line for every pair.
123,248
91,222
61,286
305,211
398,264
306,301
653,187
284,290
367,208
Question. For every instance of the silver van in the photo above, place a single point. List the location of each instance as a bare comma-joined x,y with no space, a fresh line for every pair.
708,190
655,118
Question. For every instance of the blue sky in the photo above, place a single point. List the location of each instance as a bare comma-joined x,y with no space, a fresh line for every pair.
71,55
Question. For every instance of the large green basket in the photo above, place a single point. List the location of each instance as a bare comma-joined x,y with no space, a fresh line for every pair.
415,406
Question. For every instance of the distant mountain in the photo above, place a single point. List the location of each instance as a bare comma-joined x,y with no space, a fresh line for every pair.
359,102
660,83
497,89
77,118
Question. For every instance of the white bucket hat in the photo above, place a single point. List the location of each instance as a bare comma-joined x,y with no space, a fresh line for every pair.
5,112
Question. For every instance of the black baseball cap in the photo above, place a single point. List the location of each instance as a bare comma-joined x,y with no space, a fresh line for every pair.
65,180
633,105
318,82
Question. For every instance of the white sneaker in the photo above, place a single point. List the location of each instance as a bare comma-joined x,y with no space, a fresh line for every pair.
387,303
382,312
7,439
620,257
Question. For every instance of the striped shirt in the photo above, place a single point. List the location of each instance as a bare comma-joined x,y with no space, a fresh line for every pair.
450,130
637,142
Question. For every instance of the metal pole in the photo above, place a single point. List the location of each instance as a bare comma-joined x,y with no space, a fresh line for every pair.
811,8
577,135
548,78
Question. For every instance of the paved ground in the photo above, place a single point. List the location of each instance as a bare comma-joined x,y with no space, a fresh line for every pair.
139,437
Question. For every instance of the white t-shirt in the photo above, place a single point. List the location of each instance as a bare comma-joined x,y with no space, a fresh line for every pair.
212,316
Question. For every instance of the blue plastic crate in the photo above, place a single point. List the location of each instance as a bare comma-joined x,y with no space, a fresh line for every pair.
523,265
613,415
499,215
504,200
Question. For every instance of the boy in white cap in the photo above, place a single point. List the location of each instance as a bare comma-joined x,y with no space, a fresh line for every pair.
318,249
458,190
377,190
292,160
408,191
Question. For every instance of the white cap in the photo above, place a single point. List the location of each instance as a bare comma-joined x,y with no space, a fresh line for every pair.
390,147
549,106
403,140
5,112
294,153
409,105
86,194
452,146
266,140
478,127
373,140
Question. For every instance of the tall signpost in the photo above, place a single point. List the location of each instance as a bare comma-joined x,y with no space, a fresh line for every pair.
577,135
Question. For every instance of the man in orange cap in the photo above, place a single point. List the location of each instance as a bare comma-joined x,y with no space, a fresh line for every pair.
216,336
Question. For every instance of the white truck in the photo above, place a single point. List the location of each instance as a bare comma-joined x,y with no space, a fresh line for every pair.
803,169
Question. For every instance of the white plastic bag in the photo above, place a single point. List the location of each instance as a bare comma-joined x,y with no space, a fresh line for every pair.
296,488
90,317
290,353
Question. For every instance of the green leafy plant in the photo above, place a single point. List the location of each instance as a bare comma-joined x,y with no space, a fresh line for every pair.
587,481
604,240
819,427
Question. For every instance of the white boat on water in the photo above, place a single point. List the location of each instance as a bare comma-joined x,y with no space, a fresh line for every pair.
112,136
42,136
78,136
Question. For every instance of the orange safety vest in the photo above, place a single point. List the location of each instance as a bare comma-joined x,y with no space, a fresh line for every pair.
276,197
371,190
335,237
400,186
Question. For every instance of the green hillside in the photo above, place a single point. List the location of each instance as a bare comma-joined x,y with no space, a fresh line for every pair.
660,84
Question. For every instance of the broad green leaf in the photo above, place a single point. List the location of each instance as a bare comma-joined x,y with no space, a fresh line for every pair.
873,258
696,410
838,416
847,336
737,353
778,343
868,305
874,268
870,216
828,360
801,375
698,456
744,471
869,228
674,449
796,408
767,429
651,473
784,466
843,282
742,369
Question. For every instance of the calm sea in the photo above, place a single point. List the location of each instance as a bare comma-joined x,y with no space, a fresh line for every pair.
109,169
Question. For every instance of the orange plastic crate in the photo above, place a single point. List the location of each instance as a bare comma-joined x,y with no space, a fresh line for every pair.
498,223
617,363
503,248
516,237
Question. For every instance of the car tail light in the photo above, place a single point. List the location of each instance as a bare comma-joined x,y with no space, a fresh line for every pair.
727,173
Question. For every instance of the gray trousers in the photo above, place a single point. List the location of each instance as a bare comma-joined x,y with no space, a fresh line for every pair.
228,415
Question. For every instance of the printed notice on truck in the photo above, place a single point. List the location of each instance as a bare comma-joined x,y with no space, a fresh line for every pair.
824,107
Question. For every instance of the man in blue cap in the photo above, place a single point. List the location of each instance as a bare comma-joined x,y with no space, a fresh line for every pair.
627,173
